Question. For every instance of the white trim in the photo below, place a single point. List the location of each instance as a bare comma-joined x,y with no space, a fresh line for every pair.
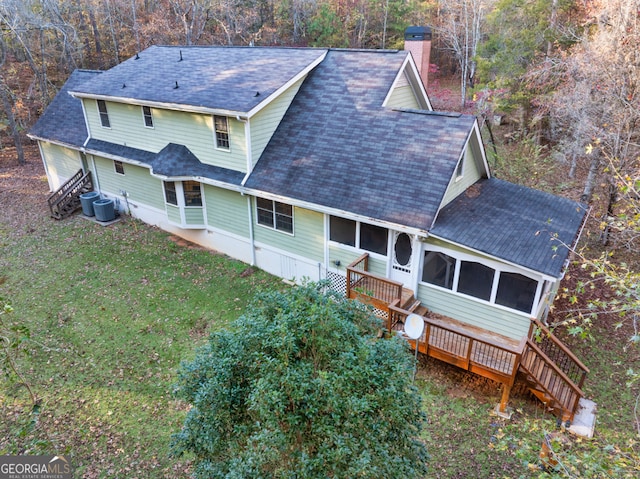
274,228
454,178
304,72
517,268
200,109
215,134
334,212
416,80
106,113
144,117
497,267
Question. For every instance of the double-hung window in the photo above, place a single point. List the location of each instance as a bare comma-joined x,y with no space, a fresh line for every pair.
192,193
170,195
104,114
359,235
505,288
274,214
118,166
221,126
147,116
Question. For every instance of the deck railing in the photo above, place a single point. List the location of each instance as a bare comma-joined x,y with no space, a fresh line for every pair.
454,345
559,354
550,378
65,199
371,288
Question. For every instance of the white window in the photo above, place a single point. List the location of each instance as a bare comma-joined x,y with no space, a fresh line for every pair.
119,167
506,288
192,193
170,195
104,114
221,126
274,214
359,235
148,116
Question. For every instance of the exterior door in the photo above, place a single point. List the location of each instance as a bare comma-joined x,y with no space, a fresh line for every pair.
402,258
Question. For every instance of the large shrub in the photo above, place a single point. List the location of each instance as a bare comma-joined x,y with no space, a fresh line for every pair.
300,387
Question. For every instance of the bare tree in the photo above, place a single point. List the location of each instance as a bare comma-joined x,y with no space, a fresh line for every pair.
461,29
598,104
8,106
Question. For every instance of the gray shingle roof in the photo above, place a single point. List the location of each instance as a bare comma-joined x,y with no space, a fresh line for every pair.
222,78
337,147
63,121
173,161
517,224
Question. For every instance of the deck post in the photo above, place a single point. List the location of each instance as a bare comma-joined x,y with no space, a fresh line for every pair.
501,409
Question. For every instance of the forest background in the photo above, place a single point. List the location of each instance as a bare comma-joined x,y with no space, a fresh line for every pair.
555,84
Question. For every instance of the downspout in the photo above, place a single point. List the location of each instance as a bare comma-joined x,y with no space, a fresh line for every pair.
251,236
247,139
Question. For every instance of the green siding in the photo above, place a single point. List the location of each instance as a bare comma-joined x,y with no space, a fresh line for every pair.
227,210
265,122
62,162
473,170
346,257
193,130
403,97
194,216
137,182
307,240
472,312
173,214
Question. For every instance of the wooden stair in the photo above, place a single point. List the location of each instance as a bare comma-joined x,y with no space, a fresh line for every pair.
66,200
553,374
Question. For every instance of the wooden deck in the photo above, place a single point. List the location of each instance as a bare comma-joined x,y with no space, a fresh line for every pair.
553,373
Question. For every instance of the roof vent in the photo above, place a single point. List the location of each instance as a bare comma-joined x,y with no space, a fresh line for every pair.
180,56
124,85
257,93
177,86
137,56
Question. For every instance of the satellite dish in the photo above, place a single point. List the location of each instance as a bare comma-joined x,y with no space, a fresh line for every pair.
414,326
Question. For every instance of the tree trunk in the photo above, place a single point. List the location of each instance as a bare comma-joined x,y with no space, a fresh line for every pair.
592,178
8,109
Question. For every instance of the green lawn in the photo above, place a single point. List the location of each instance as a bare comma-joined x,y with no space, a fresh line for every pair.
112,311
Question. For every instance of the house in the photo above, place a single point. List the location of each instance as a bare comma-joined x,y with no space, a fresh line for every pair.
328,163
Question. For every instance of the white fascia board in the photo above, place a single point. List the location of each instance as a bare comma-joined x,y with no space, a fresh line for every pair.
161,105
335,212
201,109
287,85
55,142
200,179
476,129
409,62
533,272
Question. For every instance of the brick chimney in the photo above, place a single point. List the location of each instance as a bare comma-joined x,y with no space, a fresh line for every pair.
417,40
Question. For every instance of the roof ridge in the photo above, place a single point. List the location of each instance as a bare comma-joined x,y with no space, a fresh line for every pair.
450,114
364,50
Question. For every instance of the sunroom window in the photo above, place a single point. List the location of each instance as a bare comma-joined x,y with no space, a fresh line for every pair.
516,291
505,288
438,269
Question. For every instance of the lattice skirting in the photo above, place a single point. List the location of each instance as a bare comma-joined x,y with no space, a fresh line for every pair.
338,283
